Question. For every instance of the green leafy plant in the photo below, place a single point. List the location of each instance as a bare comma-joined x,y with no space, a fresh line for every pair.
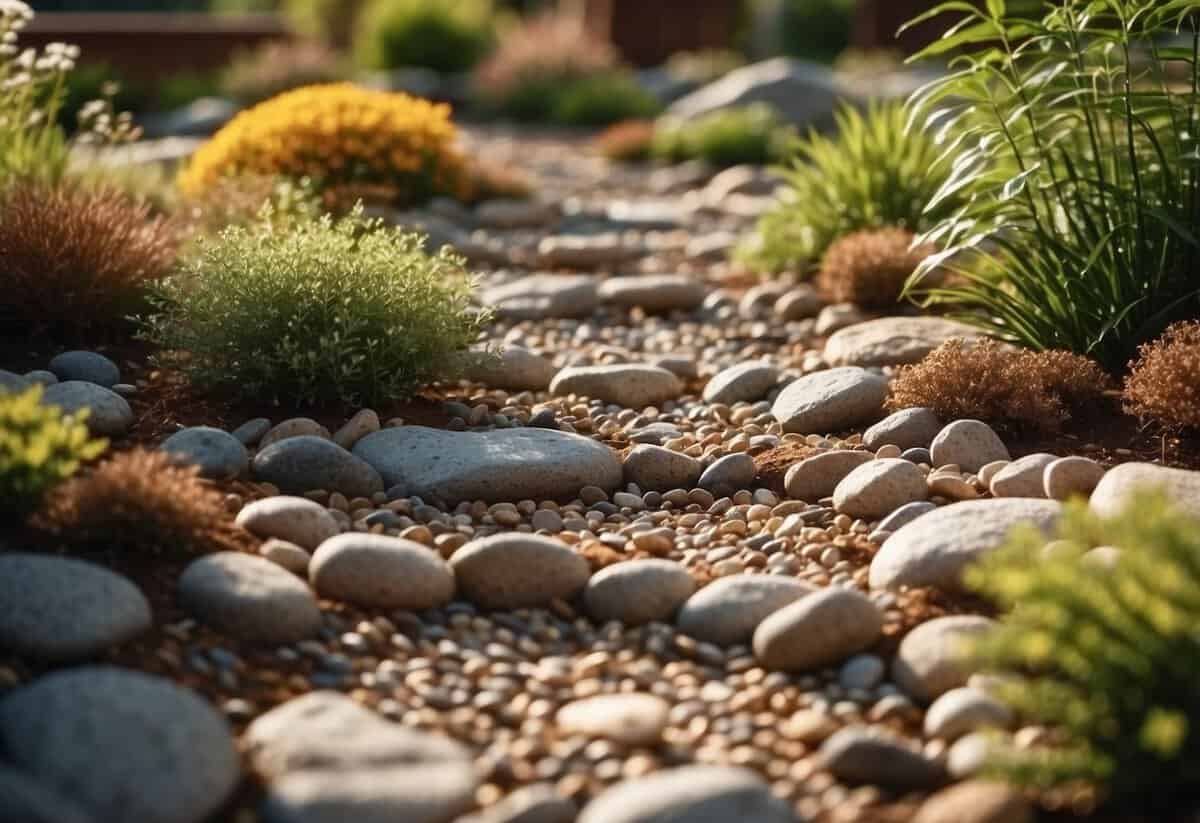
1078,160
320,311
444,35
816,29
603,99
874,172
746,134
1103,652
39,448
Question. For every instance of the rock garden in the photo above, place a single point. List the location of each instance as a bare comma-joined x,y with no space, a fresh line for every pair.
790,446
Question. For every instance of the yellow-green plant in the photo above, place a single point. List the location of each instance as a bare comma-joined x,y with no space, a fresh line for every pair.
39,448
1104,652
728,137
444,35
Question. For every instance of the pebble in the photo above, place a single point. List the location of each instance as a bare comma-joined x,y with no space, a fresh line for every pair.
863,671
654,292
632,385
906,429
861,754
931,659
729,474
537,803
695,793
541,296
905,515
743,383
507,213
798,303
514,571
304,463
964,710
252,431
634,719
364,422
374,570
638,591
88,366
109,413
1023,477
838,316
653,468
968,444
727,611
295,519
976,801
286,555
809,726
817,630
250,598
875,489
815,478
121,744
513,367
1069,477
1119,486
60,609
830,401
220,455
583,251
294,427
42,377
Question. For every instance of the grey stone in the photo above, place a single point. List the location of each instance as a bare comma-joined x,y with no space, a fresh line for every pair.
364,422
24,800
799,303
970,444
294,427
756,181
893,341
729,474
327,759
816,477
936,548
39,376
633,385
728,610
378,571
296,519
1119,485
584,251
11,382
109,413
836,317
514,368
219,454
638,591
88,366
817,630
918,456
250,598
121,744
60,609
1069,477
644,214
514,571
933,658
905,515
252,431
905,429
654,292
864,755
538,803
503,213
875,489
654,468
1023,477
804,93
831,400
863,671
493,466
963,710
539,296
305,463
746,382
976,801
634,719
286,555
696,794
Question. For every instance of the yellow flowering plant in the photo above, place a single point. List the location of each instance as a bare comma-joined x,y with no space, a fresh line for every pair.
340,136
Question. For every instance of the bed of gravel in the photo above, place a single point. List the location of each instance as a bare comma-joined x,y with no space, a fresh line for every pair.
669,559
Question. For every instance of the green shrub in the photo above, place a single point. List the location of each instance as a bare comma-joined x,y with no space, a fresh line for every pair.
874,172
1079,165
319,311
332,21
603,99
1106,653
746,134
39,448
816,29
444,35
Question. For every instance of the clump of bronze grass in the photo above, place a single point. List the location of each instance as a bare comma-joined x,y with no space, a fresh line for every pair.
870,267
1163,384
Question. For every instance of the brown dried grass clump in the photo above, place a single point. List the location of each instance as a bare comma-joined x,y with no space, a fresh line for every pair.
627,141
870,267
142,500
1163,385
75,259
1004,386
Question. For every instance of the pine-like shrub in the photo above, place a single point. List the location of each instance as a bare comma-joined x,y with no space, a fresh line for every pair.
144,501
318,311
338,135
1008,387
39,448
602,99
870,267
76,260
443,35
1163,384
873,172
752,134
1106,654
279,66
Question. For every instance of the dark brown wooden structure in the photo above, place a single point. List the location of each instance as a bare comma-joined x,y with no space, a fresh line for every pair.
647,32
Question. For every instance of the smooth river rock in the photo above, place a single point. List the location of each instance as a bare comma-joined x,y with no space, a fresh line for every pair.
695,794
378,571
654,468
892,341
906,429
816,477
831,400
109,413
634,719
1119,486
969,444
876,489
514,571
638,591
89,366
745,382
1022,477
514,368
250,598
632,385
654,292
728,610
219,454
933,658
295,519
864,755
817,630
540,296
300,464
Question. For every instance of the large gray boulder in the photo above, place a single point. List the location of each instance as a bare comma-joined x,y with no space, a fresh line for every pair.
804,93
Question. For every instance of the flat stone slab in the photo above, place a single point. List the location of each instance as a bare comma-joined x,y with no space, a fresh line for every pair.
695,794
893,341
493,466
544,295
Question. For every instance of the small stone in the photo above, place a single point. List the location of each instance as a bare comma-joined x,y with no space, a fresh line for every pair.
1119,485
508,213
88,366
638,591
299,464
59,609
514,571
41,377
109,413
932,659
378,571
541,296
632,385
863,671
1069,477
513,368
727,611
286,555
893,341
633,719
220,455
818,629
963,710
729,474
252,431
583,251
976,801
546,520
918,456
951,486
356,428
294,427
538,803
1022,477
836,317
815,478
969,444
654,468
798,303
295,519
865,755
250,598
906,429
11,382
905,515
830,401
875,489
696,794
809,727
744,383
654,292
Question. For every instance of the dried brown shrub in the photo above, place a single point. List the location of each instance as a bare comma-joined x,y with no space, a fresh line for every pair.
870,267
1164,382
627,141
1007,387
76,259
144,501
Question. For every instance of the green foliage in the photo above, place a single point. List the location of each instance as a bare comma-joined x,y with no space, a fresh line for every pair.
816,29
728,137
444,35
874,172
317,311
1106,653
603,99
39,448
1078,158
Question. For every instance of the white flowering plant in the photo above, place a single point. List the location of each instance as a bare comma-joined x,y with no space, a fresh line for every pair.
33,87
